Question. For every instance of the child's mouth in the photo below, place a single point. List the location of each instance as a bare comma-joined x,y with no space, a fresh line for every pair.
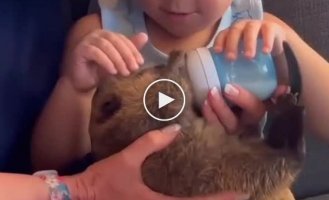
179,15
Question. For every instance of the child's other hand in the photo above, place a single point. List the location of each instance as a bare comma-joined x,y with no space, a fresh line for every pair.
104,52
248,31
253,109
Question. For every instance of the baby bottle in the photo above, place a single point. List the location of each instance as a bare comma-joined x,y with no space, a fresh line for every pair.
260,75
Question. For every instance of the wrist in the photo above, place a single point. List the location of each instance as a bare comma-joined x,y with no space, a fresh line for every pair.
58,190
78,188
66,82
73,187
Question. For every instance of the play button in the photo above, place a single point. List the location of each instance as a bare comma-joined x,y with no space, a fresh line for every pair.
164,100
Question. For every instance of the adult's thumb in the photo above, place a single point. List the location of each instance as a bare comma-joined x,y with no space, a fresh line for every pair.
151,142
139,40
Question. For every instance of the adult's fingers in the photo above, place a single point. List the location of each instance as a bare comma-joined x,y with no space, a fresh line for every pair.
149,143
253,108
208,113
222,111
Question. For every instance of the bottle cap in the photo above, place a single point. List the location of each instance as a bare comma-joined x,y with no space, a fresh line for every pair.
202,71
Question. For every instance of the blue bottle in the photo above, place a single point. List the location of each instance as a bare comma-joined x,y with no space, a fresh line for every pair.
260,75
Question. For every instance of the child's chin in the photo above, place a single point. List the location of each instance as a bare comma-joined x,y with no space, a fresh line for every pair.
180,31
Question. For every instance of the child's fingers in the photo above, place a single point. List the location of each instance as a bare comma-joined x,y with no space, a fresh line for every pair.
95,54
220,41
124,51
136,43
232,40
139,40
222,111
138,56
253,108
268,34
250,35
110,50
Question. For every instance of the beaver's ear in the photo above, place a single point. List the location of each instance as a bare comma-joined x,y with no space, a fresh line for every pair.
177,62
175,57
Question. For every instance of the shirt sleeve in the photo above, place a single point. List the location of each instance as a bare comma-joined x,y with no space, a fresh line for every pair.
247,9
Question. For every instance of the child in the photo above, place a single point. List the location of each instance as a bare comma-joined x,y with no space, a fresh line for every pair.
113,43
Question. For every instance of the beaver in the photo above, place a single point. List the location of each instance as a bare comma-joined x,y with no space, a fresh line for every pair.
203,159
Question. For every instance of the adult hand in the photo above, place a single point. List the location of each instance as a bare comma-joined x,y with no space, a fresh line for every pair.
216,110
119,176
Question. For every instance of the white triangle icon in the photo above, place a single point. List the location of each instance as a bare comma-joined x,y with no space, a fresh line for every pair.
163,100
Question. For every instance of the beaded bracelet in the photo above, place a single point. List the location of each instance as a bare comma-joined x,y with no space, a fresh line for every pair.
58,190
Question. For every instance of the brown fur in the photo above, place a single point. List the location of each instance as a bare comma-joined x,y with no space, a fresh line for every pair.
203,159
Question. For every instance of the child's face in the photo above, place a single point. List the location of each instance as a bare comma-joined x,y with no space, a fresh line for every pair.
184,17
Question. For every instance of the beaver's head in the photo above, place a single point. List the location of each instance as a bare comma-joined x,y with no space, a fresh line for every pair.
118,108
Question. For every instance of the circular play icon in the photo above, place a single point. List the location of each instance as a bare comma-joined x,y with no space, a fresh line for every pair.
164,100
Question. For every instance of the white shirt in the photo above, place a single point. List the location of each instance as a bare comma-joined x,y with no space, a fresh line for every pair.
125,16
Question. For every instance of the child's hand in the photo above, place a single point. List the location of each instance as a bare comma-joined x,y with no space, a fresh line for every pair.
104,52
248,31
253,109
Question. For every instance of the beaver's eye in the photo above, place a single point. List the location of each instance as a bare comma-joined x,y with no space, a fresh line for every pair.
110,107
